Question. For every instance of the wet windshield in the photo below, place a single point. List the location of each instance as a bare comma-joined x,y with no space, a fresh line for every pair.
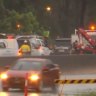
27,65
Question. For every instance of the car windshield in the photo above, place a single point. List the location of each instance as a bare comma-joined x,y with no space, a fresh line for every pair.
27,65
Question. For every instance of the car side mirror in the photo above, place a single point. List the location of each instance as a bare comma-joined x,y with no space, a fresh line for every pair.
45,69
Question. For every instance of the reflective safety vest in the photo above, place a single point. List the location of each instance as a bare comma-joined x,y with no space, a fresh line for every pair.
25,48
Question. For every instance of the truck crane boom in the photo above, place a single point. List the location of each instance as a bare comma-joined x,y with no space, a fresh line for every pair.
87,37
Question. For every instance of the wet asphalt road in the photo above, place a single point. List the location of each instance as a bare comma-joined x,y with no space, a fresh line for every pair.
78,71
68,89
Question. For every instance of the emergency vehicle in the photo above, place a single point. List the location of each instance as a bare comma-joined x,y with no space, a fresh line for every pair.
86,41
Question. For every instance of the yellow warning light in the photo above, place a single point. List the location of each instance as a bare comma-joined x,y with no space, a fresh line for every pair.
92,27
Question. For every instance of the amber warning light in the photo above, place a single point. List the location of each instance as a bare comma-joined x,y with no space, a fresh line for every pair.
92,27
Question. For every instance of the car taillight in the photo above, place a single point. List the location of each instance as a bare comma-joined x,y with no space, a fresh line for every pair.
45,68
4,76
34,77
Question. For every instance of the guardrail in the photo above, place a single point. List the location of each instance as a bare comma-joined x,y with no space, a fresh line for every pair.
80,81
66,62
73,81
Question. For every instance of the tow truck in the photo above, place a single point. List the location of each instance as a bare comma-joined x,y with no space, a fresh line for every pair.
86,44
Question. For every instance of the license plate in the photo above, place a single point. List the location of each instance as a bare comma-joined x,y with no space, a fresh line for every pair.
17,81
61,50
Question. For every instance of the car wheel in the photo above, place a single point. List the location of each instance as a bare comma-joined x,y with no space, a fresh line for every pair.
5,89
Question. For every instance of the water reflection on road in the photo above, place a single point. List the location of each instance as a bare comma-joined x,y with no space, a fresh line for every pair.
3,94
33,94
17,94
68,89
13,92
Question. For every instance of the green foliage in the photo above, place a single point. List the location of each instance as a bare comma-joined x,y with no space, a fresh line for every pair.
65,16
18,22
27,23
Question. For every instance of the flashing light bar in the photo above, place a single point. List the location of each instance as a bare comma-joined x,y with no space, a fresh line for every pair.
90,30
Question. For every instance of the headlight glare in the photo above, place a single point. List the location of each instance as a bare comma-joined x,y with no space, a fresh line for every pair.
34,77
4,76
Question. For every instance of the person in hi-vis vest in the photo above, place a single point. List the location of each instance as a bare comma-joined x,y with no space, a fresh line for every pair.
25,48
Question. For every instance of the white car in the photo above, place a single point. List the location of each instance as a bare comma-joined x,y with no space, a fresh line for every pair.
37,45
9,47
38,48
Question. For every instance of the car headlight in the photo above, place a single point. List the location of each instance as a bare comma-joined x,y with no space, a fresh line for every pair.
34,77
4,76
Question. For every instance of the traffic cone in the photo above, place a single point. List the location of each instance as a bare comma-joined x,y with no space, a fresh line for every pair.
26,85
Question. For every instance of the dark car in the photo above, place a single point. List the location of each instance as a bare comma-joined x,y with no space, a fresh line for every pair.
41,73
62,46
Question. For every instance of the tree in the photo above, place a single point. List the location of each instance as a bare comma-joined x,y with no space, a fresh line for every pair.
18,23
66,15
29,22
2,10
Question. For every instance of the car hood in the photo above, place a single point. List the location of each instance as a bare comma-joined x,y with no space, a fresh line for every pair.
15,73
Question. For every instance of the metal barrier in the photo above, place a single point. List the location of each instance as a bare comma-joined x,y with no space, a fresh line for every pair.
74,81
66,62
80,81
